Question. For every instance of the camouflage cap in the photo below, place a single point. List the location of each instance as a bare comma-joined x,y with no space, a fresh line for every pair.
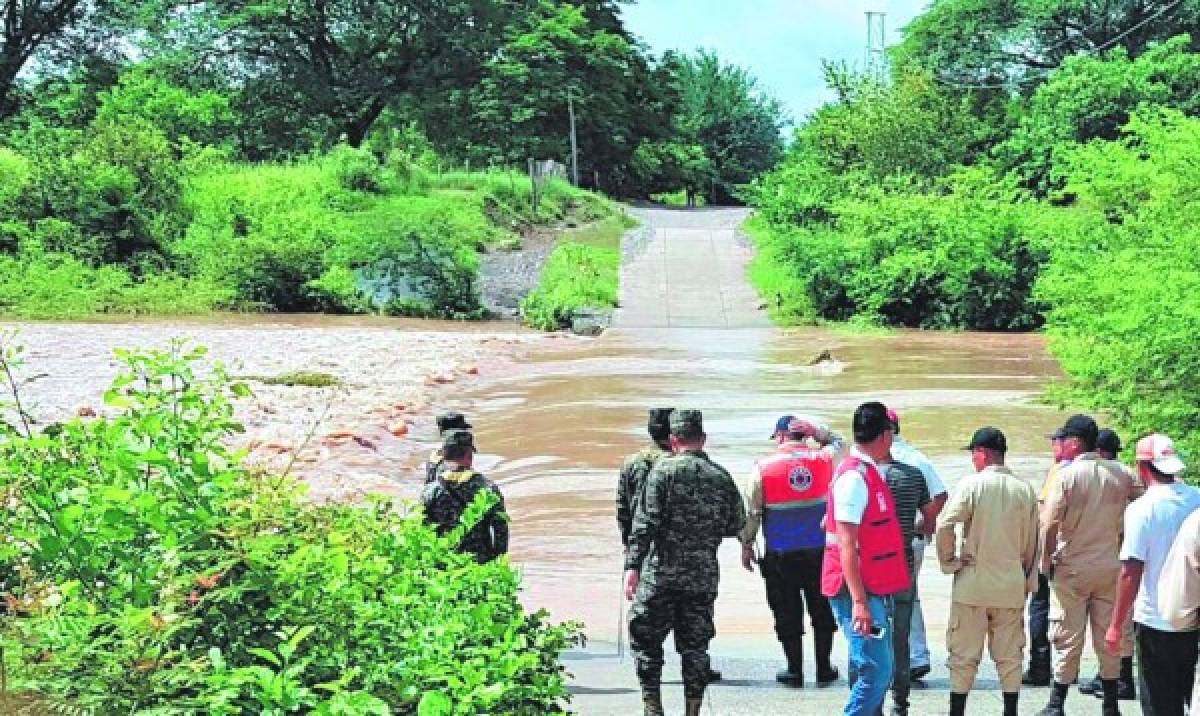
659,420
687,423
456,439
452,421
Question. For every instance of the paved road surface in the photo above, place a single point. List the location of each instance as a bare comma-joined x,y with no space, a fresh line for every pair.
690,273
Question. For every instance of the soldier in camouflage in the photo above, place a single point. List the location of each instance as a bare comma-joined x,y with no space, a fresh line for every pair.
688,506
445,423
452,491
638,465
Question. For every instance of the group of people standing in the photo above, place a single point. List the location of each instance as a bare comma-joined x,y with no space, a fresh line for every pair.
844,529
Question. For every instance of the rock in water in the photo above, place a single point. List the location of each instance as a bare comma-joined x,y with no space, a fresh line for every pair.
590,321
824,356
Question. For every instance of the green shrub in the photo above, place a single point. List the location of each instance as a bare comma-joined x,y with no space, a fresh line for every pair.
1124,283
16,174
155,574
356,169
575,276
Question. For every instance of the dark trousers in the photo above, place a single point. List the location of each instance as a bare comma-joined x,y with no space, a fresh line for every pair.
793,582
1166,667
901,627
1039,625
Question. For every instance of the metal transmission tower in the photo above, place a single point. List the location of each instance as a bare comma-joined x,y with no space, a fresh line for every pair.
876,42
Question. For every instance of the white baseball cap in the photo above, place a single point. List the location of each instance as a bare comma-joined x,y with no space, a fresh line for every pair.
1159,451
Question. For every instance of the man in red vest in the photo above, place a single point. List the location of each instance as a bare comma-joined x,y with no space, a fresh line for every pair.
787,495
864,559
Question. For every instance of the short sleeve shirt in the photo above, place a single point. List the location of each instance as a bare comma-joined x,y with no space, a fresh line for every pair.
910,492
1151,523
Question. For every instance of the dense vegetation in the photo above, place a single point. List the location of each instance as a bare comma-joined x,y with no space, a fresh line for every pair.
321,159
1034,166
150,572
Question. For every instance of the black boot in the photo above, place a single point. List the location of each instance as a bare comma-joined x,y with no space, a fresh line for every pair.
1058,696
958,704
1109,687
652,702
1092,686
1038,673
793,675
1126,691
1010,704
827,673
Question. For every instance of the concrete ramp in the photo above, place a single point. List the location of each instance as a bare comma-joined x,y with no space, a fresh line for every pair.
687,269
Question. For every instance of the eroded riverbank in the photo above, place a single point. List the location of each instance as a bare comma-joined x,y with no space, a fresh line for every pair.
364,435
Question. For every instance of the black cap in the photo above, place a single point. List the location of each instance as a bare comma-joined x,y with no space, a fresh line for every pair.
1082,427
1108,440
658,422
870,421
990,438
452,421
1057,434
457,439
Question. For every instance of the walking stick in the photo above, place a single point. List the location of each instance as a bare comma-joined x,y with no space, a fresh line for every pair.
621,621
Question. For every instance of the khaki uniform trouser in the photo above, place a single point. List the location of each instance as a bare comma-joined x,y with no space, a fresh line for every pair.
1004,630
1082,600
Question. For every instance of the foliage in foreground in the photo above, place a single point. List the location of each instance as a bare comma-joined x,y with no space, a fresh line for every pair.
146,571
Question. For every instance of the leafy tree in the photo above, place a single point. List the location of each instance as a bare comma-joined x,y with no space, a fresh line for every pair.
311,72
1011,41
722,109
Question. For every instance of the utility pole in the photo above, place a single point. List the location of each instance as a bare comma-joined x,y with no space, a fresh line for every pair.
876,43
574,142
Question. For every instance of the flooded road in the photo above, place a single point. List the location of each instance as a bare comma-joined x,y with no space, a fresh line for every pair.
565,425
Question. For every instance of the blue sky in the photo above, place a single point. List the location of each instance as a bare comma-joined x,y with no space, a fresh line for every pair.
782,42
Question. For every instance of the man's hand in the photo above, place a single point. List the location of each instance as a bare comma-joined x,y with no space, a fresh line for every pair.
860,618
1112,639
748,557
632,577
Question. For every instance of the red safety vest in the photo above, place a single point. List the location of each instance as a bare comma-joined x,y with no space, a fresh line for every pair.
880,544
795,485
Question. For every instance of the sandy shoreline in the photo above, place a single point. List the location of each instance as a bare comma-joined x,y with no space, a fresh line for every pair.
365,435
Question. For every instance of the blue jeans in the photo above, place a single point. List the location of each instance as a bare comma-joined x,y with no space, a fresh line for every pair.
871,659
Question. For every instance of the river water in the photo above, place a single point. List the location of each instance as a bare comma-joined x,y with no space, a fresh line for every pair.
555,432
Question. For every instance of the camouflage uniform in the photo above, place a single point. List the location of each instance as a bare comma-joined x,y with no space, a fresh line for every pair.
448,496
689,505
629,485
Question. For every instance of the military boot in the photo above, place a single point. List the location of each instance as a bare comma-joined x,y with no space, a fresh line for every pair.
827,673
652,702
1109,689
1010,703
958,704
793,675
693,707
1058,696
1126,691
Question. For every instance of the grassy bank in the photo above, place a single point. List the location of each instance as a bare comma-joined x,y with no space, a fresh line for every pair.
345,232
581,273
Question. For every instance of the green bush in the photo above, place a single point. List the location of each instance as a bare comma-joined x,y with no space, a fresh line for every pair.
154,574
1124,283
356,169
575,276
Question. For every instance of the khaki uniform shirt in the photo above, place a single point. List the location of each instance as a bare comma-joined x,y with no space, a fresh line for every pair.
994,564
1083,515
1179,582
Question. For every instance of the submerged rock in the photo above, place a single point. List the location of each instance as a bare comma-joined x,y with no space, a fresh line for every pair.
591,321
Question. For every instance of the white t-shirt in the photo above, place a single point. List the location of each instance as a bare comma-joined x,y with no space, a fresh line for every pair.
909,455
1151,523
850,493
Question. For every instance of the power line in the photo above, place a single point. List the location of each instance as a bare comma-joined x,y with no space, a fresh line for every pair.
1045,73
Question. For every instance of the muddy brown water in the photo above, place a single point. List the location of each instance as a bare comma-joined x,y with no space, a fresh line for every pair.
554,435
